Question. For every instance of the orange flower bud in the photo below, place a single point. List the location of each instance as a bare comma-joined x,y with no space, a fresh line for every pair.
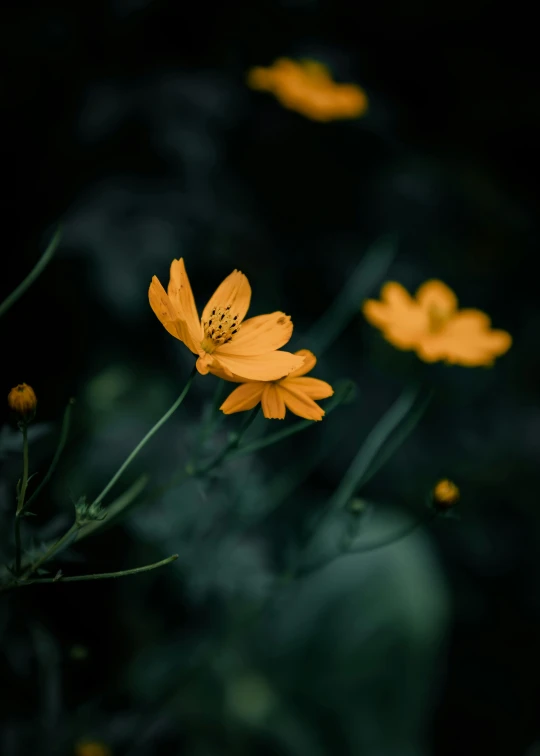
92,748
22,400
445,494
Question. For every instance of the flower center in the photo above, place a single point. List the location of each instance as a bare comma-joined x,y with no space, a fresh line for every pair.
219,328
438,318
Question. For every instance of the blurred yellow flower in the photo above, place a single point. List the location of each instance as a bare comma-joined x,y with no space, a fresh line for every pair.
307,87
22,399
92,748
295,392
221,338
432,325
445,494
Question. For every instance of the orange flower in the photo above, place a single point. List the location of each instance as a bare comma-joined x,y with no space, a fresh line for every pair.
92,748
294,391
221,338
432,325
307,87
445,494
22,400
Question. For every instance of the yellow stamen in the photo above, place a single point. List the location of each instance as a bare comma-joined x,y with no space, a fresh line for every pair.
219,328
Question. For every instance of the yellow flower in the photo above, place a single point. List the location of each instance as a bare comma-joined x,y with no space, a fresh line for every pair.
294,392
307,87
92,748
432,325
445,494
22,400
221,338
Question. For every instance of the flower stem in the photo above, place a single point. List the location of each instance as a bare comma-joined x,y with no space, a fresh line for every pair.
24,482
364,549
147,438
51,551
59,449
20,499
36,271
230,447
17,526
102,575
371,447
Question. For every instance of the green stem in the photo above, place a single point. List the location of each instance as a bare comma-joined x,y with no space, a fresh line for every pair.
36,271
147,438
59,449
230,447
388,541
371,447
367,456
24,482
101,575
51,551
18,550
388,451
20,499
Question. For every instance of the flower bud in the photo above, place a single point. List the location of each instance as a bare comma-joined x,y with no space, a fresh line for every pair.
92,748
445,495
85,513
23,401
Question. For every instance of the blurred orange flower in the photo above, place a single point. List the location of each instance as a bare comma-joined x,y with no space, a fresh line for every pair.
92,748
295,392
432,325
307,87
445,494
221,338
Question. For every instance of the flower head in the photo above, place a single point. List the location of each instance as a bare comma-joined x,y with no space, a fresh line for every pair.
295,392
92,748
445,494
22,400
222,339
307,87
432,325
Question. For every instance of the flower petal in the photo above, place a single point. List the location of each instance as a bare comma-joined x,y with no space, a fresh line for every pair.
259,335
397,296
476,346
181,296
467,321
396,310
432,348
436,295
272,403
300,404
225,375
378,313
309,363
262,367
404,337
166,313
244,397
312,387
234,291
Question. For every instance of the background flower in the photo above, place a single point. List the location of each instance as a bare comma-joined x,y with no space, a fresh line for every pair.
307,87
432,326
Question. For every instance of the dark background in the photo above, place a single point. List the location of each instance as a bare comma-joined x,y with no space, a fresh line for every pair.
131,123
